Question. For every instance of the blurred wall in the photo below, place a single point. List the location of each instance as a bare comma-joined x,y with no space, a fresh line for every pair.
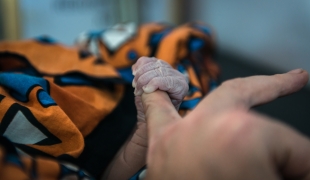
65,19
168,11
269,32
9,20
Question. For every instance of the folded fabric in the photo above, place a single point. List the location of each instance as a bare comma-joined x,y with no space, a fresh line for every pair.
15,166
52,96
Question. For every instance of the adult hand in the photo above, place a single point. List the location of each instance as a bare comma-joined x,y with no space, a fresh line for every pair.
222,139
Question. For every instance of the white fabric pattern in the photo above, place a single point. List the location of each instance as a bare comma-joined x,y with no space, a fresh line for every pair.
21,131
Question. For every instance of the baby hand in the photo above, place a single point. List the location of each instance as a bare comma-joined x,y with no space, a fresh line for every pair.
152,74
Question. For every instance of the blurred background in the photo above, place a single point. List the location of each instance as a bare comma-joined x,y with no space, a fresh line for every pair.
253,37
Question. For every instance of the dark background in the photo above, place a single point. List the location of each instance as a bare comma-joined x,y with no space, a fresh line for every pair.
293,109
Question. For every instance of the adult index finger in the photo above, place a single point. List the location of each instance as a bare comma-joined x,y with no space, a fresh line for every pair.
251,91
256,90
159,111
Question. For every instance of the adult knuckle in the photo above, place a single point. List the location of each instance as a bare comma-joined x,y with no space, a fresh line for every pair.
237,87
233,83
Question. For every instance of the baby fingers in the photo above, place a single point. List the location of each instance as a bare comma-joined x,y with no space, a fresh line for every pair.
175,87
161,72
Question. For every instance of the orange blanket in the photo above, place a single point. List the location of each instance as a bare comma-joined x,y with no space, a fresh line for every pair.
53,96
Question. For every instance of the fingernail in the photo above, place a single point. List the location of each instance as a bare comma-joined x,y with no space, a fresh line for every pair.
296,71
138,92
149,89
145,89
133,84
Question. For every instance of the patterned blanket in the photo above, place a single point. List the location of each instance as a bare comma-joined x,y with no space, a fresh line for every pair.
53,97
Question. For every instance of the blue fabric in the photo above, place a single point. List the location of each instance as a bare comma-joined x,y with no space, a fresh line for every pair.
203,29
196,44
74,80
45,99
29,71
190,104
126,74
46,40
192,89
64,171
132,55
20,85
14,159
157,37
136,176
181,68
95,34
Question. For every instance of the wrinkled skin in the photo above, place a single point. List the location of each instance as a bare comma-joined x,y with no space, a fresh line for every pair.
151,74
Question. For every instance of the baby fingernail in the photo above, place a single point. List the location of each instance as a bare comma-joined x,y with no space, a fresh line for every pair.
148,89
133,84
137,92
296,71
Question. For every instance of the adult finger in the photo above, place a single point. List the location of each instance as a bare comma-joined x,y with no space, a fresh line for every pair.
159,111
293,155
261,89
140,110
251,91
289,150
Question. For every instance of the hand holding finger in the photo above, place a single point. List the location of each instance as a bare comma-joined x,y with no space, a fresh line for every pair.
225,138
146,66
152,74
175,87
159,111
160,73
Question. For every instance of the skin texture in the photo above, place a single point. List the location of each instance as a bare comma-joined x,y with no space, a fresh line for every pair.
222,139
150,74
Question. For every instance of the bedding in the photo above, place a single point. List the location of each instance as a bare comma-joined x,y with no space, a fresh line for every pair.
65,111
